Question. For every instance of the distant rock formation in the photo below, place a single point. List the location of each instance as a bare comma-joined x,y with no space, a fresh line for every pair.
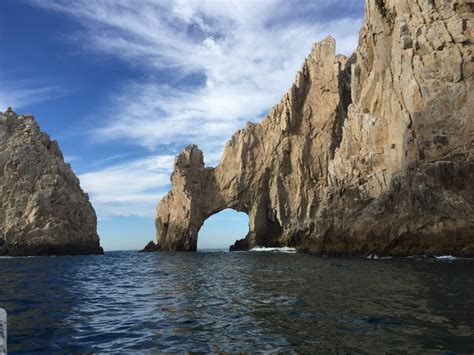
372,154
43,210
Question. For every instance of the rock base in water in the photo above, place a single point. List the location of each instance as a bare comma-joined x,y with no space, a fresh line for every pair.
240,245
151,247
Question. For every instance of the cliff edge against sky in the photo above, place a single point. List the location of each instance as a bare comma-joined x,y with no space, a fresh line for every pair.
371,154
43,210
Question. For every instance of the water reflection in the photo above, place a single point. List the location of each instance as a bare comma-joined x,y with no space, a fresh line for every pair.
356,305
33,292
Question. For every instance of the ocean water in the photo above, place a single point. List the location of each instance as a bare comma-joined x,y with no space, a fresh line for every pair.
254,301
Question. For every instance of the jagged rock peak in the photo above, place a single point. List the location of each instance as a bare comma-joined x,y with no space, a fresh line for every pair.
43,209
371,154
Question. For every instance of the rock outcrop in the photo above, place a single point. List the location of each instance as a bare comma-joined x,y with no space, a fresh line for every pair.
372,154
43,210
150,247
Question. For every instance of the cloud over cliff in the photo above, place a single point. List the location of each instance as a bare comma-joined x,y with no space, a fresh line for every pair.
206,67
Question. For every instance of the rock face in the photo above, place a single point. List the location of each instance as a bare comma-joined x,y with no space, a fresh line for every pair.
43,210
372,154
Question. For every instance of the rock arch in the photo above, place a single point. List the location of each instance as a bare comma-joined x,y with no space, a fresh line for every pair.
371,154
200,192
267,168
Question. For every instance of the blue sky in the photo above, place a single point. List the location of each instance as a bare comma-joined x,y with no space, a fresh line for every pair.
125,85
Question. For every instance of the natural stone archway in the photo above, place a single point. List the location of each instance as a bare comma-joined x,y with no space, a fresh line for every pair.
372,154
201,195
264,164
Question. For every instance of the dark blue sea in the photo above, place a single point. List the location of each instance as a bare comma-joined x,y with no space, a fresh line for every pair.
126,302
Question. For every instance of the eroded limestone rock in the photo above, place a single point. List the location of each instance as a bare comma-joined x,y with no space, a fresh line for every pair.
43,209
371,154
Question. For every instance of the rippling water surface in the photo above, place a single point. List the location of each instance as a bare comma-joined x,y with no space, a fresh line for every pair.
218,301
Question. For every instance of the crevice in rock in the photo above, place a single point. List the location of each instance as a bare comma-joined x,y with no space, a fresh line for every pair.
345,100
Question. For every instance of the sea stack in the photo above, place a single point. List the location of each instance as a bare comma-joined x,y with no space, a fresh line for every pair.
371,154
43,210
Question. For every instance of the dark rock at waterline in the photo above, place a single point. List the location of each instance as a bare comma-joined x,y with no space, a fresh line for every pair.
58,249
240,245
150,247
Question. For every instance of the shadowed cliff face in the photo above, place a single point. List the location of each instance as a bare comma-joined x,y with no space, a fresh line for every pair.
43,210
371,154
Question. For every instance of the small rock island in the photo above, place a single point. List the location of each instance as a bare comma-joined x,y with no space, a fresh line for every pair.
368,154
43,210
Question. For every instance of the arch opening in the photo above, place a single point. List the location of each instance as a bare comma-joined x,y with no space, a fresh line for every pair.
222,229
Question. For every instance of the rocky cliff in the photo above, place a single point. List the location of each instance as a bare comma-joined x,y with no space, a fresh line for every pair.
371,154
43,210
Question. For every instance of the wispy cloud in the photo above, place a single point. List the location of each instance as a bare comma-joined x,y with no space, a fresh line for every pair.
19,94
129,189
246,51
243,53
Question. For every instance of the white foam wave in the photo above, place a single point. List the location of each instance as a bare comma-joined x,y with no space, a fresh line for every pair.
446,257
376,257
275,250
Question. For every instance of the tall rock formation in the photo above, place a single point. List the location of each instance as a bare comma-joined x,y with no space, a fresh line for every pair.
43,210
372,154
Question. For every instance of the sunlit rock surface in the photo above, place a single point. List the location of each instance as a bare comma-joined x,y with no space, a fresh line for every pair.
43,209
371,154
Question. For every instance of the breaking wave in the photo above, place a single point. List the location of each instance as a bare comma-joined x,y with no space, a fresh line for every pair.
446,257
376,257
275,250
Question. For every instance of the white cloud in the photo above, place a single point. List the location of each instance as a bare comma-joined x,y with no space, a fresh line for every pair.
246,52
128,189
247,68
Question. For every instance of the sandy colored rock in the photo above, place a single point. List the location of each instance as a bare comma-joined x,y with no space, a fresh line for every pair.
371,154
43,209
